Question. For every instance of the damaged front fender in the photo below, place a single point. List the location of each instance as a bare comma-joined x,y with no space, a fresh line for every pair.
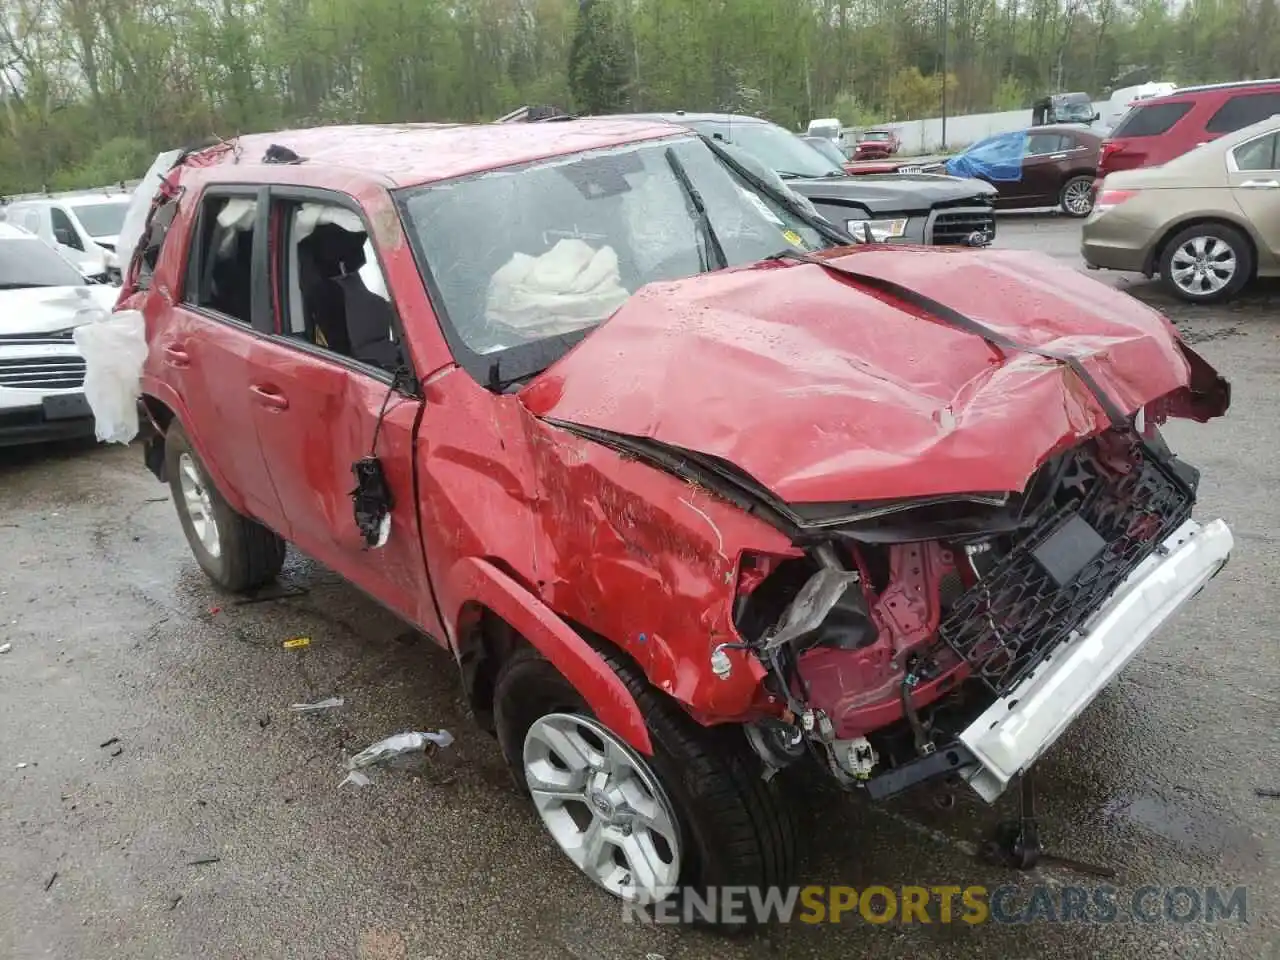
1207,393
484,584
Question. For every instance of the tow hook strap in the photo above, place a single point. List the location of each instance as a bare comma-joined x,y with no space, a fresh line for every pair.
955,318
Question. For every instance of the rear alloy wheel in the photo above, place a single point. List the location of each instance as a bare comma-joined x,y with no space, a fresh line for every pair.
1077,197
197,500
1206,263
236,553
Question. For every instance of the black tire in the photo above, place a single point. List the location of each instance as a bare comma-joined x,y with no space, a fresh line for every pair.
1219,232
1070,198
249,554
736,828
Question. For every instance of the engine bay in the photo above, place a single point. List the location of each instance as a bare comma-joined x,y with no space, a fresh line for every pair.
883,651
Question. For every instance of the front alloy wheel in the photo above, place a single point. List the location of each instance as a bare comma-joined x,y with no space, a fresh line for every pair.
696,814
603,806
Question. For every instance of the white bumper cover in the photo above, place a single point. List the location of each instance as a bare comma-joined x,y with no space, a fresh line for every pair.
1022,725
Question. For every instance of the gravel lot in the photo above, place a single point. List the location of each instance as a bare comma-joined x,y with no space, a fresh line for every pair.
118,639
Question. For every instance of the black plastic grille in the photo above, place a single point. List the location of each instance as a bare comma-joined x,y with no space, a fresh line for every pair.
1008,622
42,373
55,337
953,227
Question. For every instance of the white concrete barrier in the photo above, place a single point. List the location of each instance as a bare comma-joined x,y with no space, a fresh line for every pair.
925,136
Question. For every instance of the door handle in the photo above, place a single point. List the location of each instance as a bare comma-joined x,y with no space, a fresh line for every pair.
1058,156
269,397
176,357
1260,185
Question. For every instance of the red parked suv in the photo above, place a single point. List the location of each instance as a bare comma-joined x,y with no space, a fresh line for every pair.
1157,130
876,145
691,493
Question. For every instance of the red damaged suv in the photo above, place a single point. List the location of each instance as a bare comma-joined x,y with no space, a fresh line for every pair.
692,491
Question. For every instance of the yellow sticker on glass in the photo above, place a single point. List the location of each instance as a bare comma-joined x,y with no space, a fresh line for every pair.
793,238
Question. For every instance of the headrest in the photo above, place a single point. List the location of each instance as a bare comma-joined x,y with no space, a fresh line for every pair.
335,251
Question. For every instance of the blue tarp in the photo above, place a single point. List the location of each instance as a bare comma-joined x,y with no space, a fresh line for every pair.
997,159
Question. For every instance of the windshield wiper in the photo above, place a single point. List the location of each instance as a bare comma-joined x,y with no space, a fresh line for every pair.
786,197
701,218
27,285
792,175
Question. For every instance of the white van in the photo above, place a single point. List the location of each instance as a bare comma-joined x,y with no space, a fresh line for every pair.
829,129
83,227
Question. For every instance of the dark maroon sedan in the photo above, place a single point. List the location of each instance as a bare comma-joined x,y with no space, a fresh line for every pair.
1050,166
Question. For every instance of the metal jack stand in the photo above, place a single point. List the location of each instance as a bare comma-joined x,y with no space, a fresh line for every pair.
1016,843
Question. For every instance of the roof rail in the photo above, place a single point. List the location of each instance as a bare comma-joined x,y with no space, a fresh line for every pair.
120,188
1233,85
543,114
515,116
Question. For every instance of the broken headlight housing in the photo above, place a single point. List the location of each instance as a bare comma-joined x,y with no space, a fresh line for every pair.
787,605
881,231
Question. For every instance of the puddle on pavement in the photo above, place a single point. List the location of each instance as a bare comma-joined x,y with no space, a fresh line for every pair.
1196,830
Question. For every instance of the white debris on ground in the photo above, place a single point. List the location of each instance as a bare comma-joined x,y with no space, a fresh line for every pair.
399,750
330,703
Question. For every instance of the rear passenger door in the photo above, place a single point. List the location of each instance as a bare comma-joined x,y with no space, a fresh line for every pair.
205,345
327,394
1254,173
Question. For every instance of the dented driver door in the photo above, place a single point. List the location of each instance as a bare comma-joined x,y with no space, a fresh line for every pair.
319,411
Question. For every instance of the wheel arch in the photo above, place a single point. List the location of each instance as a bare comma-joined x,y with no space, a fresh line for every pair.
1070,175
491,614
164,406
1157,249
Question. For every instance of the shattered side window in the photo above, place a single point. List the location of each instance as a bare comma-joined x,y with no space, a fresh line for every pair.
226,257
157,231
334,294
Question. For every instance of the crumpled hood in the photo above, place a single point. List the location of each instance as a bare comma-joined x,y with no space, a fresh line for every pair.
893,193
825,392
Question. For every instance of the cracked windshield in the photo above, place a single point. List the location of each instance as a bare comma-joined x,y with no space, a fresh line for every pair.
639,479
579,236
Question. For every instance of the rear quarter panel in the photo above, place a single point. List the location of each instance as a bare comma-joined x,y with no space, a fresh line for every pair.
1170,210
